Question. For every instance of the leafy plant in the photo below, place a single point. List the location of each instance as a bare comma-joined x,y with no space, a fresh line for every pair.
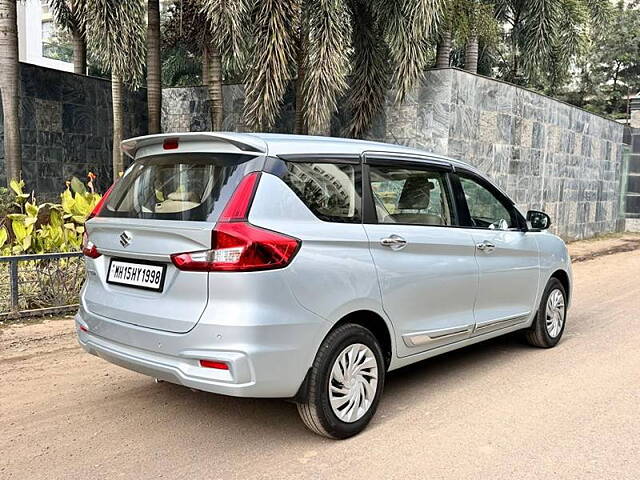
48,227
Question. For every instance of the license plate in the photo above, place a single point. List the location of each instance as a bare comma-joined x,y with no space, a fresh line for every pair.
149,276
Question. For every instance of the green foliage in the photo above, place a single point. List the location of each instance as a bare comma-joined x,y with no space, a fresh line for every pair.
47,227
610,69
544,38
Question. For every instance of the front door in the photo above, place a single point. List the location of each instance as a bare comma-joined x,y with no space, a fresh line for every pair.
426,267
507,257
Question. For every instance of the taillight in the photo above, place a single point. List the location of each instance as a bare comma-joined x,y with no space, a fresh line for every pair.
88,247
238,246
239,204
98,208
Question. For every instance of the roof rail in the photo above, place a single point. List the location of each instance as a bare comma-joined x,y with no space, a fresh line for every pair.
245,143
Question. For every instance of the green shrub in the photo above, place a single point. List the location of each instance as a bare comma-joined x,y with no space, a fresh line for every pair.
30,227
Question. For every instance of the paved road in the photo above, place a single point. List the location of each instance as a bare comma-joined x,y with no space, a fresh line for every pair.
497,410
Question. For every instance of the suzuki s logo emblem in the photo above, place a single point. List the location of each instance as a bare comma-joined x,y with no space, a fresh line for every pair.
125,238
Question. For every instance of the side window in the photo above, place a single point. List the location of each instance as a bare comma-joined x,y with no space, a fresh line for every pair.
331,191
405,195
486,210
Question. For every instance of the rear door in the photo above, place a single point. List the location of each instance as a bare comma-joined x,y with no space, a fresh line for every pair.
426,267
507,256
165,204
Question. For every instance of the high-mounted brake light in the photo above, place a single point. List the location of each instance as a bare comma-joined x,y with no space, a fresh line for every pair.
170,143
238,246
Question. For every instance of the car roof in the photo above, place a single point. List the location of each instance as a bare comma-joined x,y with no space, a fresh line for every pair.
284,144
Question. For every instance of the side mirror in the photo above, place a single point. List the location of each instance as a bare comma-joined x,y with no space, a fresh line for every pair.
538,220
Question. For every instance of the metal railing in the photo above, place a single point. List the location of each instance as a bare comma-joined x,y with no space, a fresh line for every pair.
43,284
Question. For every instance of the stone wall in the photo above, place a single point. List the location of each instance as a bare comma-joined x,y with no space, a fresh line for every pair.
546,154
66,127
186,109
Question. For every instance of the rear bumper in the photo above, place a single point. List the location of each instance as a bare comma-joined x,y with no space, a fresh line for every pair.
265,360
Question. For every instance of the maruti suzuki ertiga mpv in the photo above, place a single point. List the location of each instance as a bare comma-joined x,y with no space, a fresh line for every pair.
307,267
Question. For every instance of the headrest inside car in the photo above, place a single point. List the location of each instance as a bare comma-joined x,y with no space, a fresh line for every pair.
416,193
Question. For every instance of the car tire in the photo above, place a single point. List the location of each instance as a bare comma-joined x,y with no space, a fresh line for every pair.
548,326
326,399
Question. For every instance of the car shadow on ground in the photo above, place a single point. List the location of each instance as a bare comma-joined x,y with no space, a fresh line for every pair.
201,413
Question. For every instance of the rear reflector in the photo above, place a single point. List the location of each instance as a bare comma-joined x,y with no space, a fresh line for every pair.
213,364
170,143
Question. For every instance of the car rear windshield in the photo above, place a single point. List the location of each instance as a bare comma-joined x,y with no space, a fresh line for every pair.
189,186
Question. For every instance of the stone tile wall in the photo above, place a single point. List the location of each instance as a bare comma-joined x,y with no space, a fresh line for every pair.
546,154
187,109
66,128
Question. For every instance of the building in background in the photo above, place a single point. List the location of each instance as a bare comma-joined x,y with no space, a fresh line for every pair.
40,41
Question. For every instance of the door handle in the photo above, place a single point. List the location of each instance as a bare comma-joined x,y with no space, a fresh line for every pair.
394,242
486,246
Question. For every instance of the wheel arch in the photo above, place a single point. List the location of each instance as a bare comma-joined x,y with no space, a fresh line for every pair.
368,319
563,277
376,324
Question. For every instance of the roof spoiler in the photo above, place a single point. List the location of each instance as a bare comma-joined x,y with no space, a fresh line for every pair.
243,142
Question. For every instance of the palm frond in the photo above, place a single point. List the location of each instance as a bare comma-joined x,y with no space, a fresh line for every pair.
327,63
370,75
116,32
69,14
408,26
228,24
272,57
537,33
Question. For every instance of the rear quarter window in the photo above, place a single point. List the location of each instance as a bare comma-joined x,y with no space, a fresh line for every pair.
330,190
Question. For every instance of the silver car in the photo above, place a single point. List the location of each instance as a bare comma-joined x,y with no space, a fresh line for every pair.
305,268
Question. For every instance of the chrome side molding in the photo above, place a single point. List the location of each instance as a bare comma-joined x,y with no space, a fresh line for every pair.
501,322
417,339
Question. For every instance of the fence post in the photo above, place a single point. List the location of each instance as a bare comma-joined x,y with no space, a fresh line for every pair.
13,278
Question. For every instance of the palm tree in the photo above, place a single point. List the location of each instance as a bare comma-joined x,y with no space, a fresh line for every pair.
544,36
390,33
116,34
226,47
185,43
466,23
443,48
154,78
9,88
69,14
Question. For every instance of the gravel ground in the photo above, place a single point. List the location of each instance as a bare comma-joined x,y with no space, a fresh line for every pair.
495,410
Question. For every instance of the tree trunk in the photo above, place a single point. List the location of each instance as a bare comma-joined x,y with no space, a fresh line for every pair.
154,82
205,65
471,55
79,53
116,105
300,125
443,53
215,89
9,89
